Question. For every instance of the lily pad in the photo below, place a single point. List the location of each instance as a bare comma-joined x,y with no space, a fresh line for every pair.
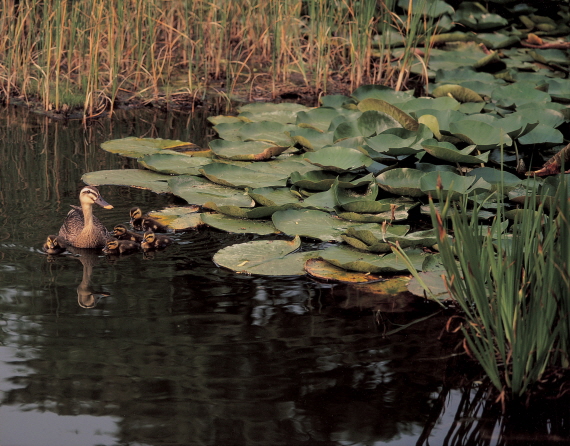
402,181
283,113
144,179
485,136
311,139
338,159
458,92
197,190
310,223
365,262
265,257
245,150
378,242
237,212
136,147
179,218
169,162
238,225
448,152
403,119
274,196
242,177
323,270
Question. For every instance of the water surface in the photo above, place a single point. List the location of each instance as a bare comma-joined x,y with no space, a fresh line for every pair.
169,349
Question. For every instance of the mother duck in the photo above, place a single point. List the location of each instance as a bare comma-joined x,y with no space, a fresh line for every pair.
81,228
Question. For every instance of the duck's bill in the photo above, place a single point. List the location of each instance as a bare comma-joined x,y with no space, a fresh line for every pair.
103,203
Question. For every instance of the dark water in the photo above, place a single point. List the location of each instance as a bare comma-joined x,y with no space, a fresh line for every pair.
177,351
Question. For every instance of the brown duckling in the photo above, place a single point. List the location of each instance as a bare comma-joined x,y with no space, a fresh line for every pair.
153,241
81,229
115,246
54,245
141,222
122,233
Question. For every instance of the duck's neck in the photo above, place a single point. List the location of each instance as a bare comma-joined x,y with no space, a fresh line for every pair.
87,216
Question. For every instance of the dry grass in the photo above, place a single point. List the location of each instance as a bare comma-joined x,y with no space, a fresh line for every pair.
91,53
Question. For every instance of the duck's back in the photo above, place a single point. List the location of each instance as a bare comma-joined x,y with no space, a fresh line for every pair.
72,230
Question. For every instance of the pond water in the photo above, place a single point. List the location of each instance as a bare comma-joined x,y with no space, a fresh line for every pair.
169,349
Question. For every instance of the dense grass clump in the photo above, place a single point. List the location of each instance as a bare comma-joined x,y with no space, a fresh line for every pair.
102,50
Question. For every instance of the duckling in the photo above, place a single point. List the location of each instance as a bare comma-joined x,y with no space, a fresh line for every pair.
81,228
141,222
122,233
54,245
152,241
115,246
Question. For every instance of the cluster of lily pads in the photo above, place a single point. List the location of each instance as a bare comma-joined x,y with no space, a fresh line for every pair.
347,172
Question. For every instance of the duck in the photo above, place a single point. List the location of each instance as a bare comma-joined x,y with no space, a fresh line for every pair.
115,246
81,229
141,222
54,245
152,241
122,233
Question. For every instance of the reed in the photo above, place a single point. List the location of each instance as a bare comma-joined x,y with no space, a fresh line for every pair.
105,51
512,288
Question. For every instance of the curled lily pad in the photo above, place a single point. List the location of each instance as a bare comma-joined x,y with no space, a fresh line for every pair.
144,179
458,92
399,209
321,180
448,152
384,242
179,218
265,257
242,177
238,225
399,141
403,119
136,147
197,190
169,162
355,260
311,139
338,159
283,113
237,212
403,181
310,223
245,150
323,270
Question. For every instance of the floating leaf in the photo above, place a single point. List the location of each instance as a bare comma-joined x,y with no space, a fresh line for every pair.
323,270
283,113
318,118
448,152
197,190
270,196
376,241
237,212
484,136
242,177
365,262
245,150
265,257
136,147
543,134
320,180
458,92
449,182
434,281
518,94
238,225
144,179
272,132
403,181
338,159
310,223
168,162
381,92
405,120
179,218
311,139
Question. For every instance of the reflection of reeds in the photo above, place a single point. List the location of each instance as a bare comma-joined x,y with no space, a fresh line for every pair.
88,52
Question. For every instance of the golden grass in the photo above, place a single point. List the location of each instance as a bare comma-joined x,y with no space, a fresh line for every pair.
103,50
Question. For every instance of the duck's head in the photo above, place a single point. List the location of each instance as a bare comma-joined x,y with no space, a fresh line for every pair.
52,242
135,213
119,230
112,244
90,195
149,237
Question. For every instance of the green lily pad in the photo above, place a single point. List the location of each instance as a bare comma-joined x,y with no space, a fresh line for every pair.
136,147
238,225
230,131
448,152
381,92
178,218
144,179
168,162
505,180
397,142
338,159
318,119
458,92
274,196
485,136
399,209
401,117
402,181
543,134
475,16
197,190
283,113
321,180
312,139
265,257
242,177
450,182
252,213
245,150
365,262
323,270
518,94
310,223
271,132
377,242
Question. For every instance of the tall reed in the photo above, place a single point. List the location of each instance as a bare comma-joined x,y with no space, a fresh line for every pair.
513,288
91,52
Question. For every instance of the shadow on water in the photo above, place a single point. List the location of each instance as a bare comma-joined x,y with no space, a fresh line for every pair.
168,349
